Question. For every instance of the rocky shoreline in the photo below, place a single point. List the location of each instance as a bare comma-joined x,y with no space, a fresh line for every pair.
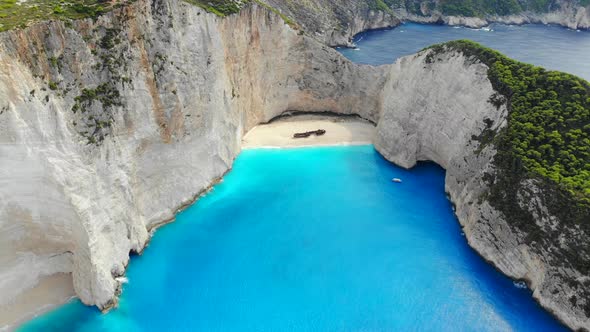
583,23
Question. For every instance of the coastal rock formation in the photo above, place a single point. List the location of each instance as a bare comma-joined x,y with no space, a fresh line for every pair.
335,22
108,126
565,13
426,116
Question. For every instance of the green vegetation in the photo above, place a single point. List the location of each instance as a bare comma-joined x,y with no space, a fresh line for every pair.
108,97
546,140
380,5
477,8
285,18
224,8
14,14
220,7
548,131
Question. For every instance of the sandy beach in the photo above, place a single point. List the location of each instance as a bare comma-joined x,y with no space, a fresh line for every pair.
339,131
50,292
55,290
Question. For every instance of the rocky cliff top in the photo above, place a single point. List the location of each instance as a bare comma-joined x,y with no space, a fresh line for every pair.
333,22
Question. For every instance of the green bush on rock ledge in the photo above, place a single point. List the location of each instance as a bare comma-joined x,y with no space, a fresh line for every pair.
220,7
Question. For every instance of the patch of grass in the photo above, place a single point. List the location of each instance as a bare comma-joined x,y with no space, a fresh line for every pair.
224,8
285,18
220,8
14,14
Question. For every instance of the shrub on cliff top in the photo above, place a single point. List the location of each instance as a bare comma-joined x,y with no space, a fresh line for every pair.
548,130
220,7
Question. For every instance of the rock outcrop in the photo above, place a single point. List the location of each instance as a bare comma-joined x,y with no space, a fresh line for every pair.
335,23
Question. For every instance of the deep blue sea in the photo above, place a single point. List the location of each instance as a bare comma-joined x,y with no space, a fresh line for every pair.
313,239
551,47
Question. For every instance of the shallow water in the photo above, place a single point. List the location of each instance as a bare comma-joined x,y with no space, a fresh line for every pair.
313,239
551,47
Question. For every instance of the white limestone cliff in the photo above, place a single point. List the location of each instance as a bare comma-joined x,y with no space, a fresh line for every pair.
335,23
435,110
567,14
182,87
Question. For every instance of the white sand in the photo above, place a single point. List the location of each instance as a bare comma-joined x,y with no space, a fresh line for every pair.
52,291
339,131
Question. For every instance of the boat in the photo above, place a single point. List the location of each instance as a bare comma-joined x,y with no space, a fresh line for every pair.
318,132
396,180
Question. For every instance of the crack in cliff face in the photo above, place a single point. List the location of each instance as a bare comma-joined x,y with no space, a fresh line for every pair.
157,107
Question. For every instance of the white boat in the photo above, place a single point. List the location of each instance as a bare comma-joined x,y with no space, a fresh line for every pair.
396,180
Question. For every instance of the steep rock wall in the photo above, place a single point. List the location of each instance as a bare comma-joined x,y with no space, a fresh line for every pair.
107,127
335,22
564,13
427,116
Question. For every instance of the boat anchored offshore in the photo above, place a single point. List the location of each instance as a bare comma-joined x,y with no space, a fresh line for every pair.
396,180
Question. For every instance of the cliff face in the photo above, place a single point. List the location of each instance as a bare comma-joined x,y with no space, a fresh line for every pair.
426,116
107,127
335,22
567,13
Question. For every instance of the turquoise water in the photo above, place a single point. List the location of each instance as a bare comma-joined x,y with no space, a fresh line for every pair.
551,47
313,239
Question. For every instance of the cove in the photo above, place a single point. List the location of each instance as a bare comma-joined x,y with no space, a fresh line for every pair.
551,47
313,239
